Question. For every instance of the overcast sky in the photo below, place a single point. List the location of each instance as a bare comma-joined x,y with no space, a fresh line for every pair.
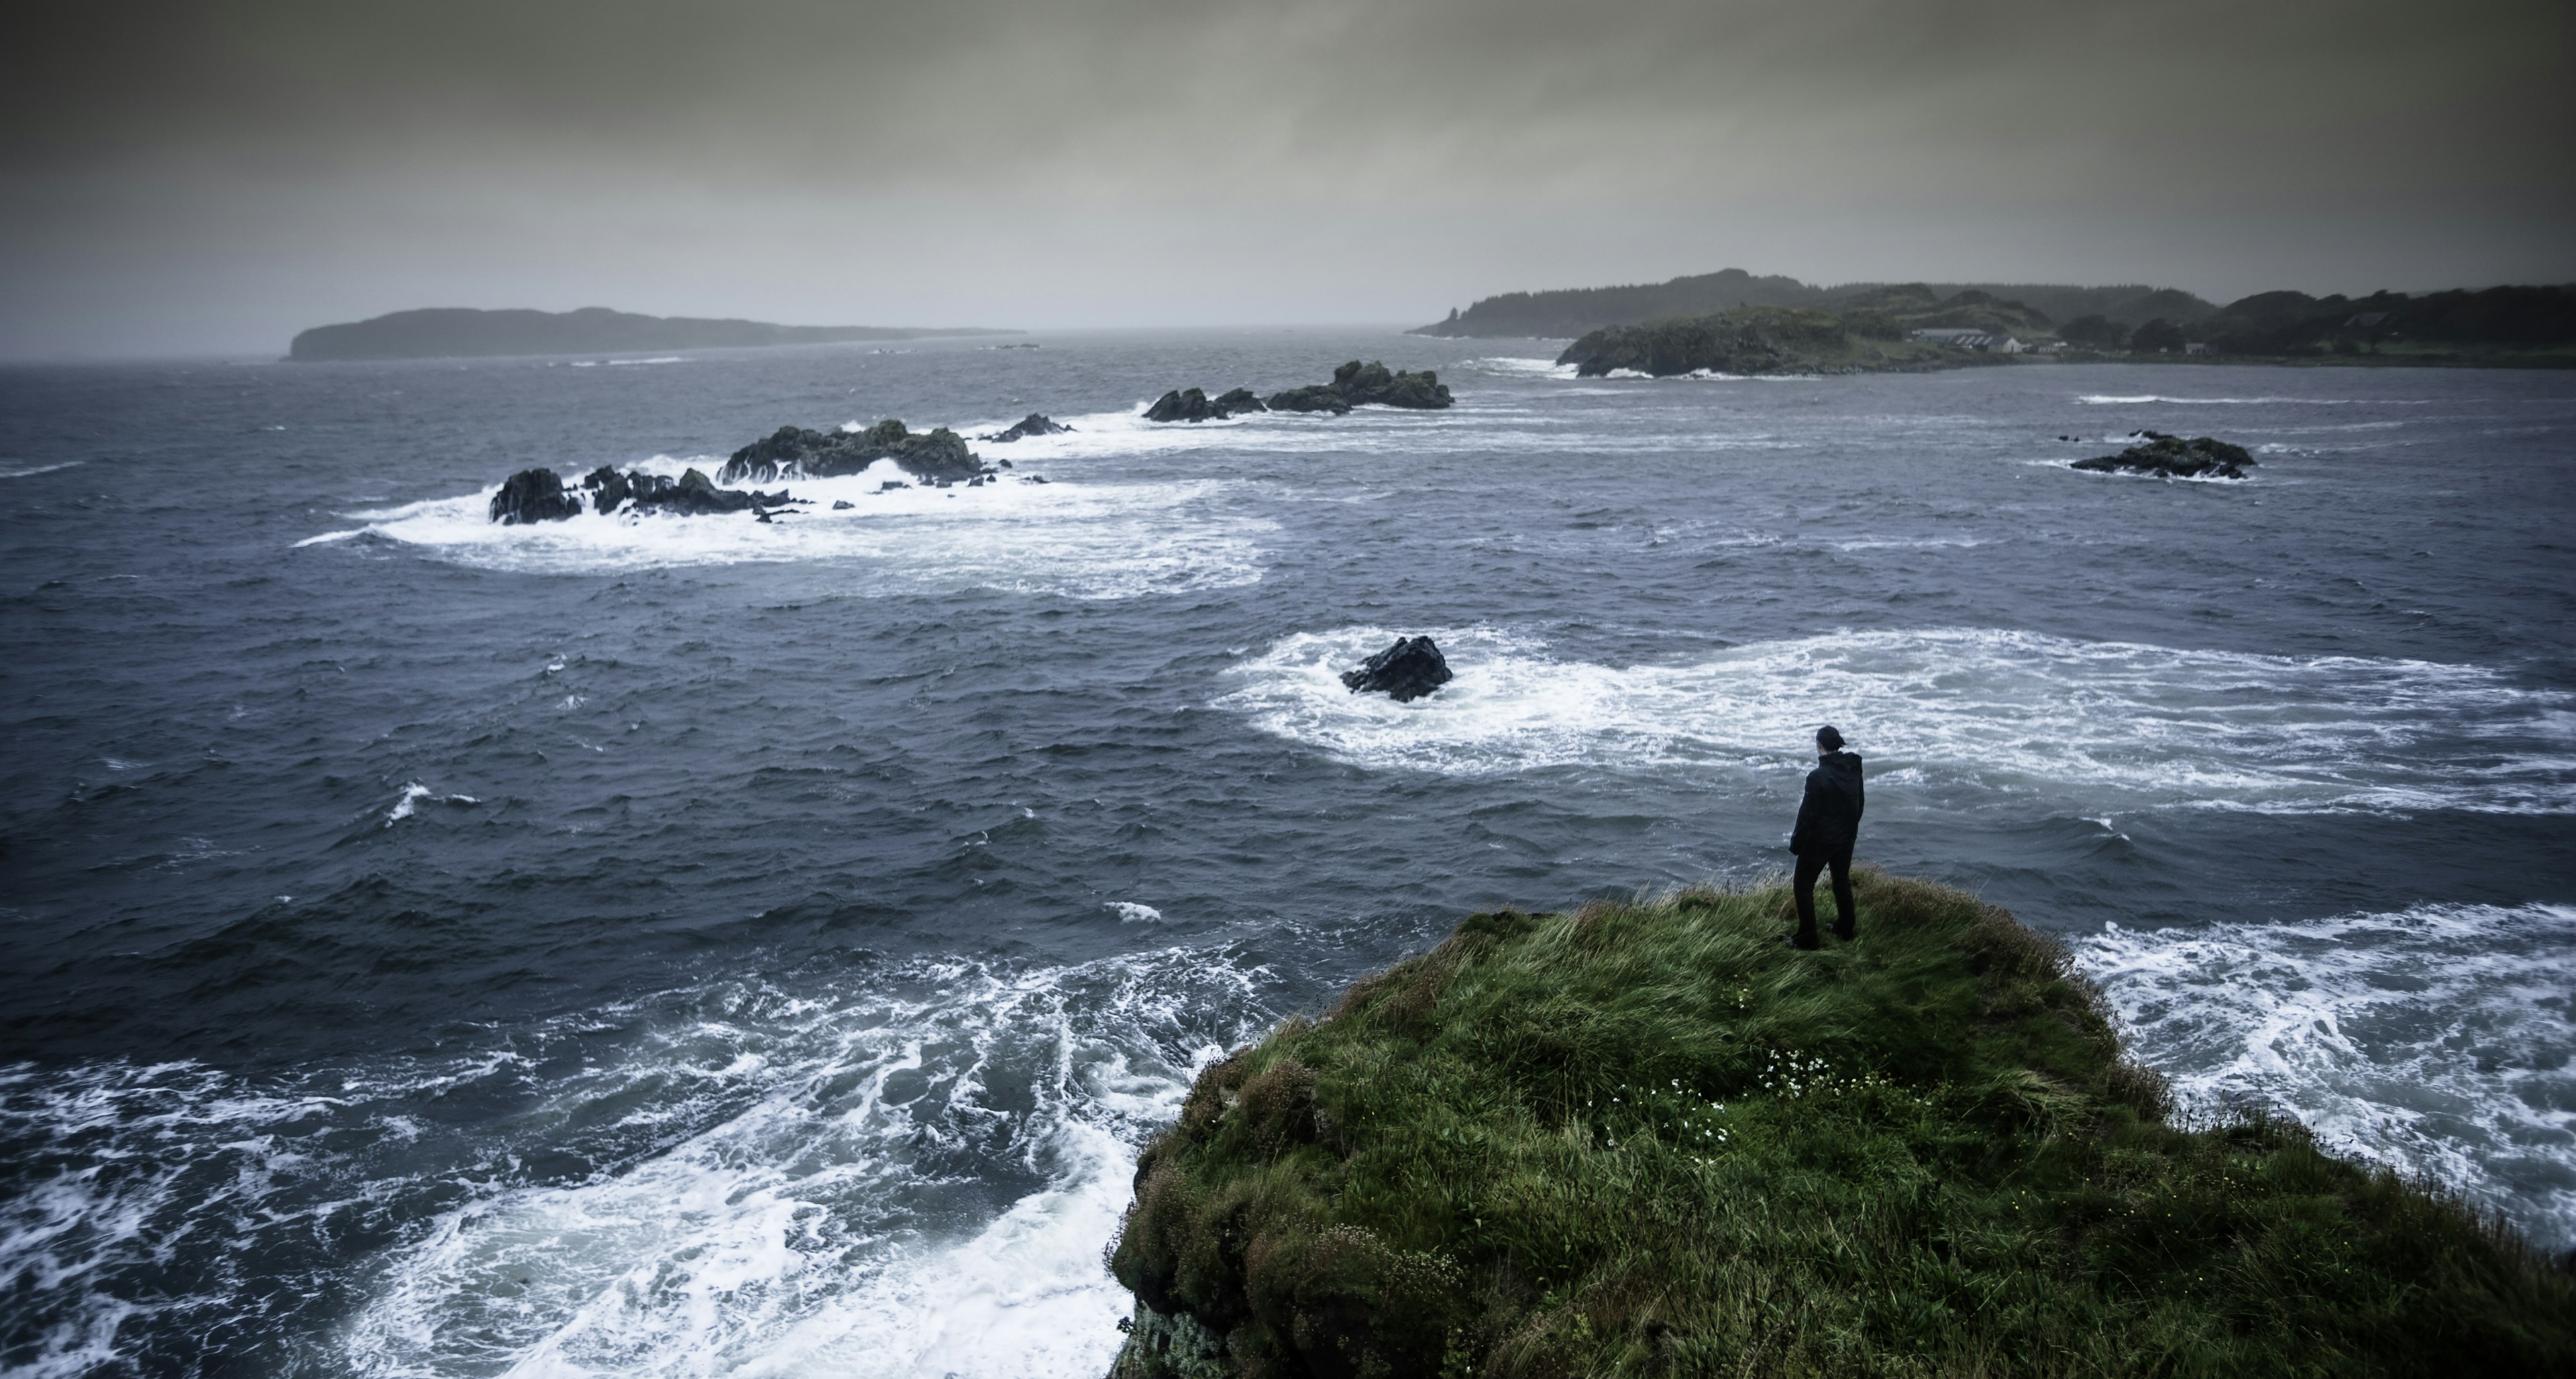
212,177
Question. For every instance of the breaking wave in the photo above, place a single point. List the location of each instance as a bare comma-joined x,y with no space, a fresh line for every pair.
913,1180
2435,1040
1089,540
2118,725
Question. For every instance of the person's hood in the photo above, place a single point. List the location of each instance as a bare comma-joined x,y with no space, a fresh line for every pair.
1844,766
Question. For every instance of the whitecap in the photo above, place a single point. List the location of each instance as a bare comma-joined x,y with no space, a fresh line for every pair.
1080,539
821,1227
330,536
1909,543
1514,367
2104,726
27,470
2109,400
413,794
1134,913
2435,1040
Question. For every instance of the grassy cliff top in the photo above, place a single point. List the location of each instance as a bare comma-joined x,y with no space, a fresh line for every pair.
1648,1138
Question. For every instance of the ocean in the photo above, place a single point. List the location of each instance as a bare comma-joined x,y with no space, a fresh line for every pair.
693,946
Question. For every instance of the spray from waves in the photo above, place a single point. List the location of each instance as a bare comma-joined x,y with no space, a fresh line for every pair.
1511,367
2436,1040
2110,400
2118,725
1081,540
750,1176
413,794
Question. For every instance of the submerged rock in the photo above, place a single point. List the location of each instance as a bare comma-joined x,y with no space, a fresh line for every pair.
533,495
2173,457
1034,424
942,454
1408,670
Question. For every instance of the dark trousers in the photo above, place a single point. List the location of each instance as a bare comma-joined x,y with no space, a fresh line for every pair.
1805,885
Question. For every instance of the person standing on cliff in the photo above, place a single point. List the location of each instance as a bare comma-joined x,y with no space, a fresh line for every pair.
1828,825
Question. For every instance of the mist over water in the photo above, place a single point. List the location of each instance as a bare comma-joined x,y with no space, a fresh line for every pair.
695,946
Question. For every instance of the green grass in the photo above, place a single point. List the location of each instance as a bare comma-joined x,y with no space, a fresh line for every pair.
1649,1139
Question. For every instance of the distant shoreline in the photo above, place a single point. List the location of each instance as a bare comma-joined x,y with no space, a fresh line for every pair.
469,333
1687,320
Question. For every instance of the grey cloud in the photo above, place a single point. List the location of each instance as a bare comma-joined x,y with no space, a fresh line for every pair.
643,149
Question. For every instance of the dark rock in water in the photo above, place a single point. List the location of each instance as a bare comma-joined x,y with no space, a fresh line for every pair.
692,494
842,505
1356,384
1315,397
1180,405
533,495
696,496
1034,424
608,488
891,485
1408,670
1007,464
942,454
2173,457
1191,404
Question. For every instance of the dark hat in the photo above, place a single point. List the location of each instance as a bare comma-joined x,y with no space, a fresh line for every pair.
1828,739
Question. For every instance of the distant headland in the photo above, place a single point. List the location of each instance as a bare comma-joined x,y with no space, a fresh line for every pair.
1695,323
451,332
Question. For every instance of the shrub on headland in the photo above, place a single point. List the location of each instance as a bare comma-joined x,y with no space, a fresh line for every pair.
1647,1138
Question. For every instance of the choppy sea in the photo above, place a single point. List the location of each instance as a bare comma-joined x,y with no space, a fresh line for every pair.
688,946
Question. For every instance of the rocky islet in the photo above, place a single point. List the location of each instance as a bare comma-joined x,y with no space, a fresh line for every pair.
2172,457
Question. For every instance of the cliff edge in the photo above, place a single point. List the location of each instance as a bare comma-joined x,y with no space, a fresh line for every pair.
1647,1138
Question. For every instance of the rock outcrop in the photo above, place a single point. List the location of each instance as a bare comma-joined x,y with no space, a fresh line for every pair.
1356,384
1192,404
538,495
1752,340
1034,424
942,454
690,495
2172,457
1408,670
533,495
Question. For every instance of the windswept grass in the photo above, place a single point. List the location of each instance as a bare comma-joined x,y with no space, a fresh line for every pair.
1648,1139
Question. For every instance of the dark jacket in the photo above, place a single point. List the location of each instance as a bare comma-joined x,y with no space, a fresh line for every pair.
1829,817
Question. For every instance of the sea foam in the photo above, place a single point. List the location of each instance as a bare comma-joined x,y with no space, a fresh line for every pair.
906,1172
2104,725
1079,539
2435,1040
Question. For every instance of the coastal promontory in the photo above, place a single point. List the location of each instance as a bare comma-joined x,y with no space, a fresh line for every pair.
457,332
1646,1138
